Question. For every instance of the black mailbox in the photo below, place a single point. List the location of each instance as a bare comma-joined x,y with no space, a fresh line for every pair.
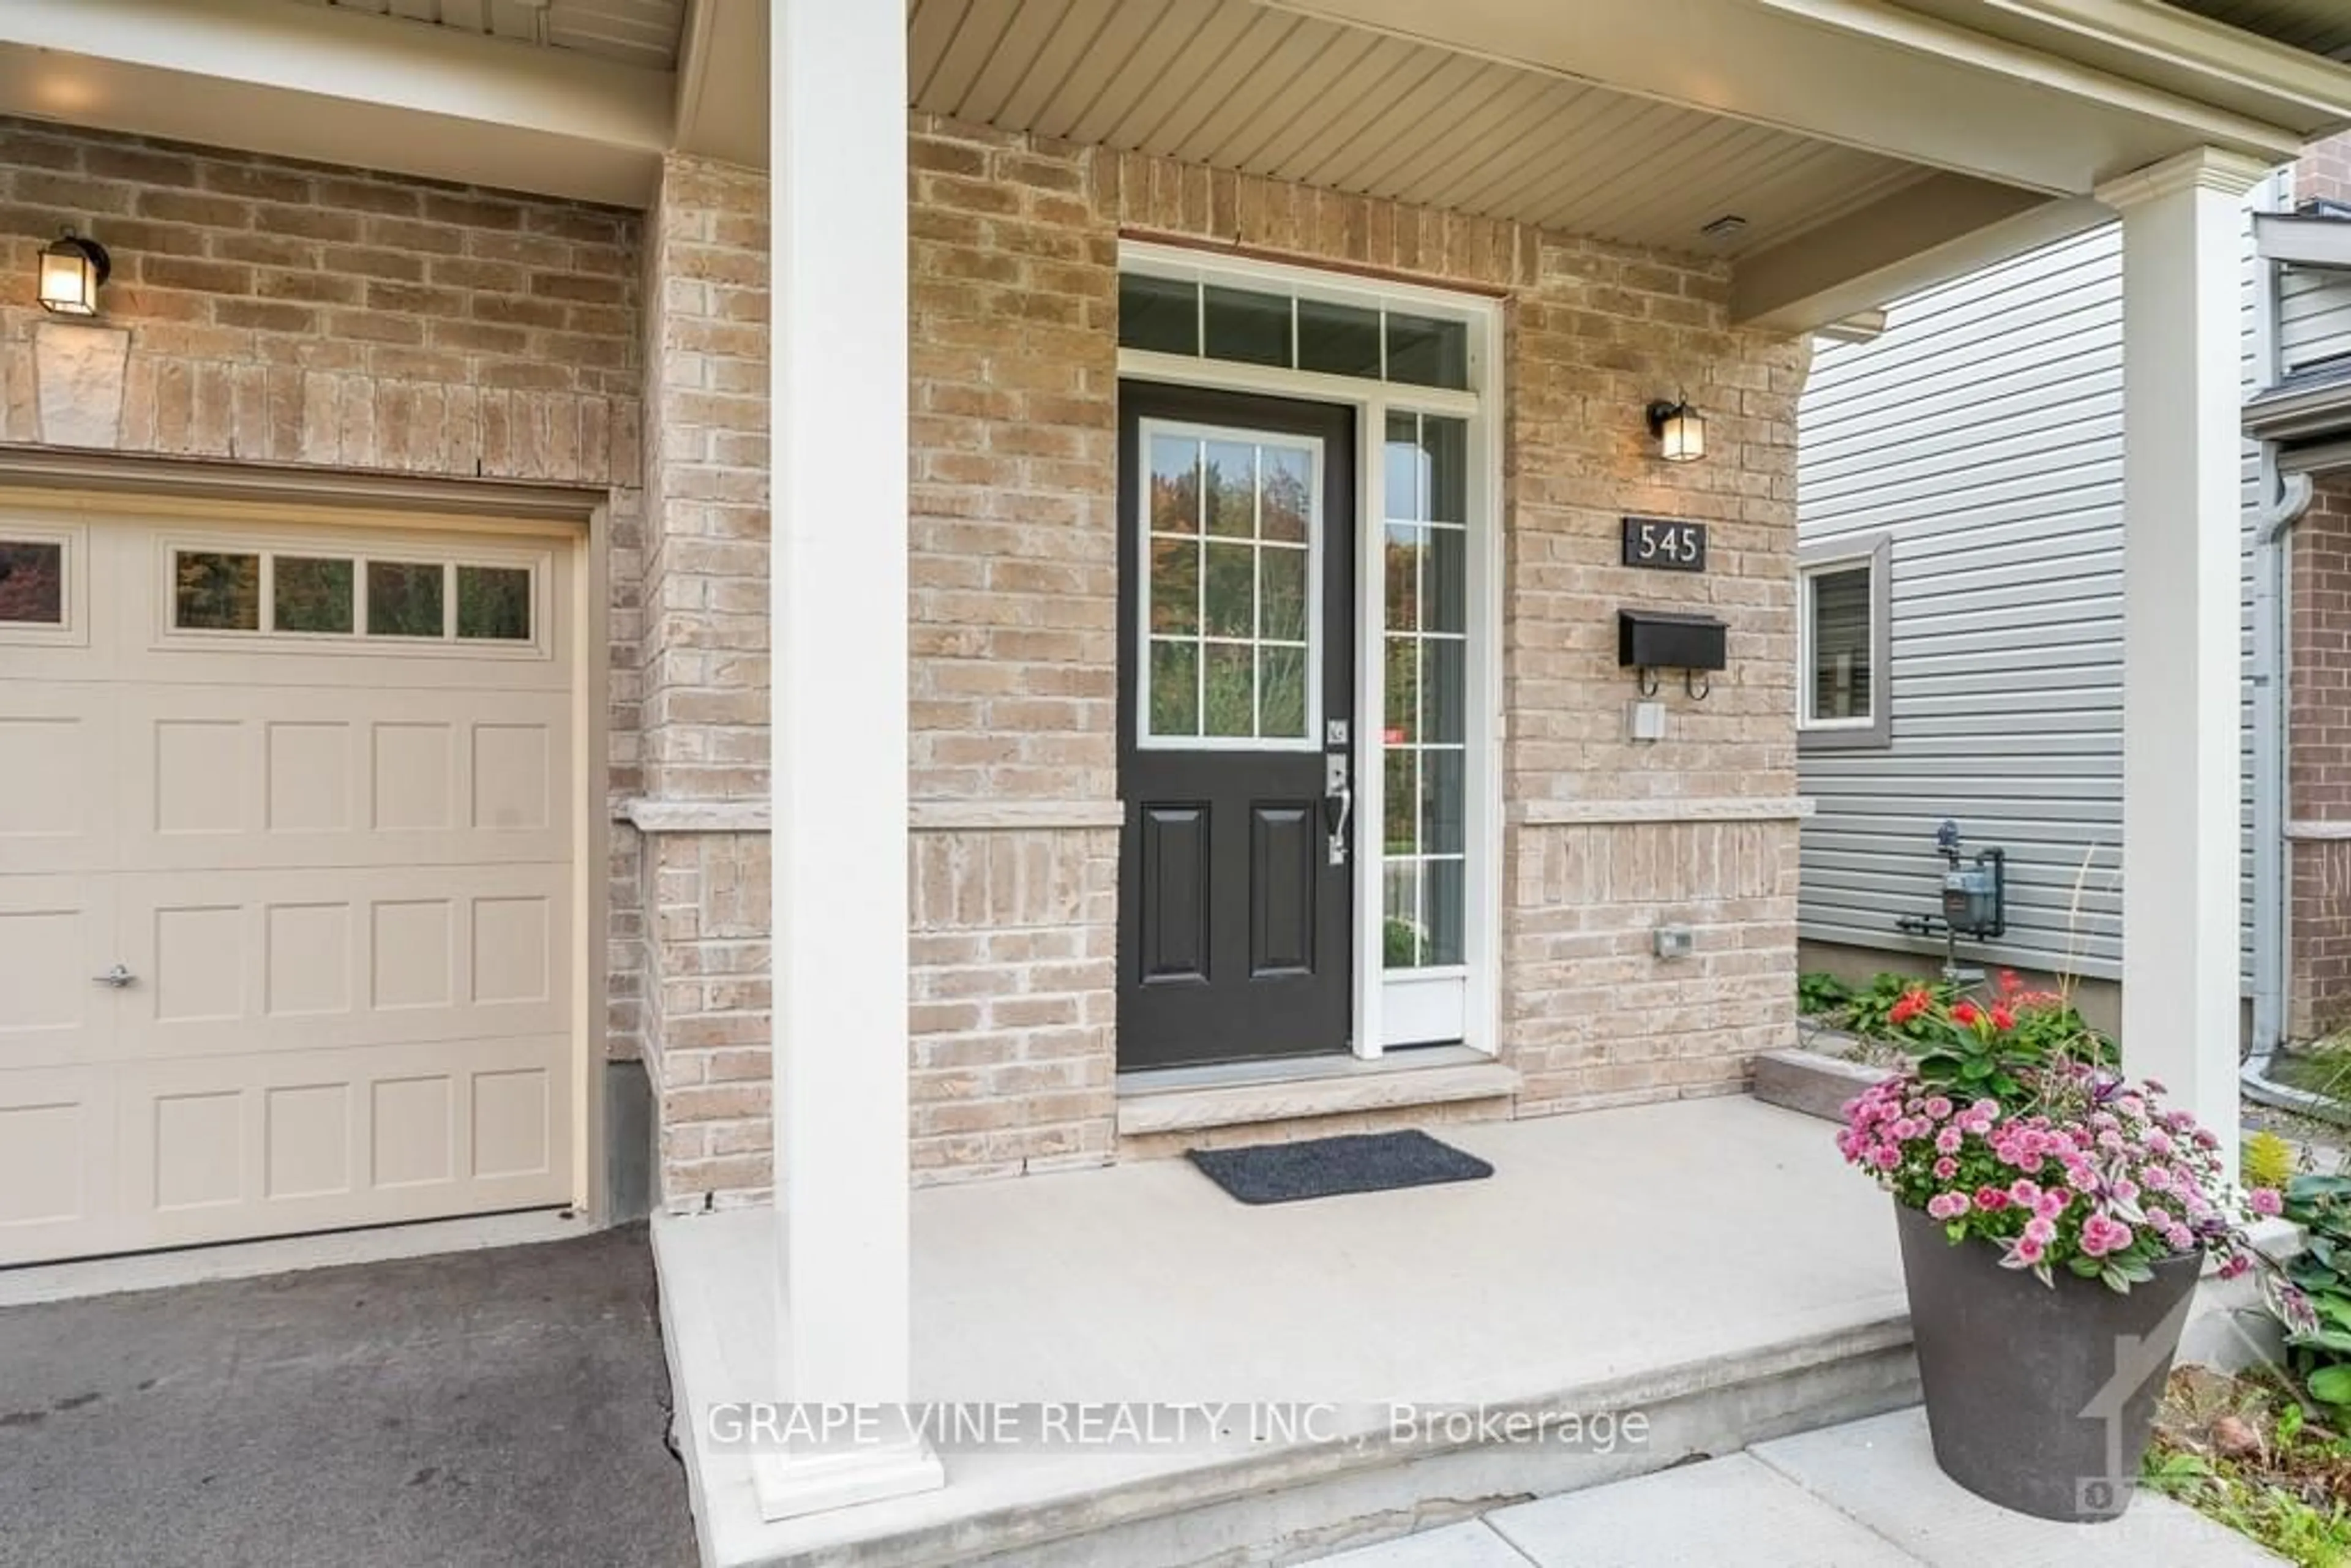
1661,640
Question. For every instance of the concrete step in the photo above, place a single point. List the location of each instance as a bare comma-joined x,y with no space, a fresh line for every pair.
1862,1494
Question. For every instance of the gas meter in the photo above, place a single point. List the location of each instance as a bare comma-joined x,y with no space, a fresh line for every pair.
1974,898
1972,891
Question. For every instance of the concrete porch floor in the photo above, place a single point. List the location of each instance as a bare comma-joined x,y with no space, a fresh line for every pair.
1709,1263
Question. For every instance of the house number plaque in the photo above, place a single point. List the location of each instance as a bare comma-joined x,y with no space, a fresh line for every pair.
1664,544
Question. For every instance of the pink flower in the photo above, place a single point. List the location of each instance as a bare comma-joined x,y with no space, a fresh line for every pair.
2235,1265
1886,1156
1939,1108
2265,1201
1985,1110
2024,1193
1947,1206
2052,1203
2041,1230
2027,1250
2126,1190
1990,1200
1946,1168
2101,1236
1948,1140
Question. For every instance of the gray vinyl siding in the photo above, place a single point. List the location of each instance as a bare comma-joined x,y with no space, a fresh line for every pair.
1983,433
2314,318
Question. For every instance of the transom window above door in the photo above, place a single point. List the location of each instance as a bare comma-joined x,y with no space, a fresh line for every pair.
1229,614
1290,331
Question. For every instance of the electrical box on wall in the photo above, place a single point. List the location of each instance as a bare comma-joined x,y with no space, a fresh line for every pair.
1664,640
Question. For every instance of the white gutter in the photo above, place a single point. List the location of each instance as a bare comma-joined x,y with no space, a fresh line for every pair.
2303,240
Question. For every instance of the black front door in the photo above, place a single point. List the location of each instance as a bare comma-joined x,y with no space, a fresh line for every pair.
1236,723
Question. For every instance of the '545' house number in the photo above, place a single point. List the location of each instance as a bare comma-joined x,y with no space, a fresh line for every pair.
1664,544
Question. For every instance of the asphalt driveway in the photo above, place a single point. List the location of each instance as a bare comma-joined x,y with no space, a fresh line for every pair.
506,1407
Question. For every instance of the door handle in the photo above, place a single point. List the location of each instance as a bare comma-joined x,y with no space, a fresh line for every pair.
1338,803
117,977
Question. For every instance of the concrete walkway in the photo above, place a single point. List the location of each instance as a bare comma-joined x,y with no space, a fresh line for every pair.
502,1407
1863,1495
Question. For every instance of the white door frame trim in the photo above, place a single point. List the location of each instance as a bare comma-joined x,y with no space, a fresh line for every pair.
1481,406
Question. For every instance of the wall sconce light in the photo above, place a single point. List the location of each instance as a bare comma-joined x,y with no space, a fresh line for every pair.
71,270
1679,430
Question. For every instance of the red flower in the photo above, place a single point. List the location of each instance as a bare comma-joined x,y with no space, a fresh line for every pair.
1990,1200
1965,1013
1908,1006
2001,1018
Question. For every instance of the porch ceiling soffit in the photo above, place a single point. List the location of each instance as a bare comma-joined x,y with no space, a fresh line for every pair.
1235,84
1892,79
634,32
336,85
2021,134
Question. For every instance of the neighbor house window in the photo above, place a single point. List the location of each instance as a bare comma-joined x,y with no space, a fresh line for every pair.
1842,641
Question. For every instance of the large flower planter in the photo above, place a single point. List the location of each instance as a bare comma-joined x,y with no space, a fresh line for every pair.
2039,1397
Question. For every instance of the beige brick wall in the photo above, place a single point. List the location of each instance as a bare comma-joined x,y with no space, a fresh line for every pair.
1015,934
2324,170
1014,244
706,952
705,656
2319,764
334,319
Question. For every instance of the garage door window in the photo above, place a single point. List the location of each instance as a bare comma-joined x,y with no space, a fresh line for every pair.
33,582
312,593
216,590
321,595
493,603
403,599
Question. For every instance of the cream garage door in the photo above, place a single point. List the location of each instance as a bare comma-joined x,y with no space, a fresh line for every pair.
286,878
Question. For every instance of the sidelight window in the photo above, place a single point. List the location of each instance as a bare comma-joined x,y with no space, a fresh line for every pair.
1424,738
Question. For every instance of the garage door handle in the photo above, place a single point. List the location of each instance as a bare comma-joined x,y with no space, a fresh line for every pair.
118,978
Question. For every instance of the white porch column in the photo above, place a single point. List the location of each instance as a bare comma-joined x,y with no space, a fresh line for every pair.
837,97
2182,239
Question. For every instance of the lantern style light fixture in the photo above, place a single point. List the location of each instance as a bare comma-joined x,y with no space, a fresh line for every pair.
71,270
1679,430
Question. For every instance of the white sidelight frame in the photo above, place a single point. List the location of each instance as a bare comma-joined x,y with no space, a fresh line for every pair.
1418,1001
838,379
2183,226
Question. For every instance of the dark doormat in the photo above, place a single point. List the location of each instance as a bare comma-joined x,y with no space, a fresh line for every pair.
1325,1167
